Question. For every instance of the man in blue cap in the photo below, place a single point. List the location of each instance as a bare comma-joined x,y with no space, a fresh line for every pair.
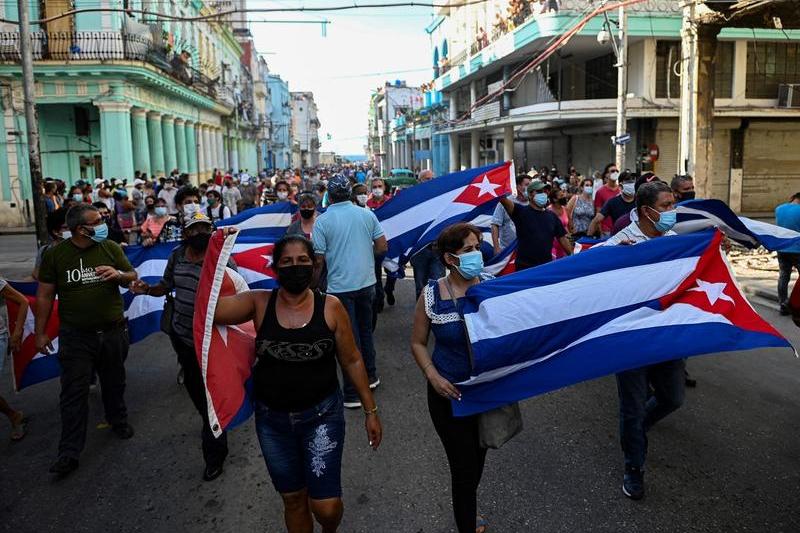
346,239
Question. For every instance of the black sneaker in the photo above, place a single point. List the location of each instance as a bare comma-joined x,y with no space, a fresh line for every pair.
785,311
633,483
123,431
210,473
64,466
390,297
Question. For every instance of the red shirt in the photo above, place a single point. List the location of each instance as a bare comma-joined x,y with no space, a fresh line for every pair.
374,203
603,195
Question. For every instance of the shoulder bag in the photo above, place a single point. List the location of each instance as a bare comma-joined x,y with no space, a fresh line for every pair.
500,425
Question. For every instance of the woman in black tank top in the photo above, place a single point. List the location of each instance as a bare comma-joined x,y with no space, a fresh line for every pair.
298,404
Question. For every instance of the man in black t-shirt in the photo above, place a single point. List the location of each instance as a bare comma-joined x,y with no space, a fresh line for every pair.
618,206
536,228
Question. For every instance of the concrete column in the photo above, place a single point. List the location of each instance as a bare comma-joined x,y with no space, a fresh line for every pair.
156,143
473,92
739,91
508,143
220,149
453,104
141,148
233,146
180,145
506,94
202,155
211,160
168,134
454,152
191,150
475,149
116,141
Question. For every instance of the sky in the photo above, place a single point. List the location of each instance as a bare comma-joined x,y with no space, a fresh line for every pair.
361,50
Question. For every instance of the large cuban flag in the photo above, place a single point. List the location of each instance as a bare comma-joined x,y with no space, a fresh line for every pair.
697,215
415,217
618,308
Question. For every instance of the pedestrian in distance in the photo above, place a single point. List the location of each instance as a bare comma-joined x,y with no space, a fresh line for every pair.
13,341
346,240
86,272
605,191
580,209
425,263
638,410
298,404
617,206
787,215
438,311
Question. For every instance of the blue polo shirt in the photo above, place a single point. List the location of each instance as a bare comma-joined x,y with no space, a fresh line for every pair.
344,234
788,216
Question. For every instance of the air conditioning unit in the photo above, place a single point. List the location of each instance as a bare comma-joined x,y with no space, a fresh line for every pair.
789,95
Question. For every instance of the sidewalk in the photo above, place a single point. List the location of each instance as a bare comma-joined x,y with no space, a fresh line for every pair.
18,230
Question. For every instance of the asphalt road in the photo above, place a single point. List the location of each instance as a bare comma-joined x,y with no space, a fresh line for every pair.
727,461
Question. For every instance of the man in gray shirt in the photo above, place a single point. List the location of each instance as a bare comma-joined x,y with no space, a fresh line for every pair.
503,230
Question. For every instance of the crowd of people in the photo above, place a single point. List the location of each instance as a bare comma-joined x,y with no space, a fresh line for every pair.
331,290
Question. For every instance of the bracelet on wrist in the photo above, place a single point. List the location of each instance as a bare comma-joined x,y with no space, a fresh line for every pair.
372,411
425,369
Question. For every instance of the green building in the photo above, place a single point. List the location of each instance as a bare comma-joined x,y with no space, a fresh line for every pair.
115,95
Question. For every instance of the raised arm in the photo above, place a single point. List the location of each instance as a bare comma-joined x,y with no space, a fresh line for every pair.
508,204
238,308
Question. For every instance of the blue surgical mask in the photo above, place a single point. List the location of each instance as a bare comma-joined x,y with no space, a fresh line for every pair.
77,197
470,264
100,232
160,211
588,190
540,199
666,220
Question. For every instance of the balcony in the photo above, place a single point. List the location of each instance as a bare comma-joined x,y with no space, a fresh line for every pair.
102,46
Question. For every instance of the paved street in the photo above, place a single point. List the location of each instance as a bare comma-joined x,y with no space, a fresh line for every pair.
727,461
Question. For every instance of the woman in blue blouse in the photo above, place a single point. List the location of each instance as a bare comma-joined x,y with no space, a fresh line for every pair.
459,249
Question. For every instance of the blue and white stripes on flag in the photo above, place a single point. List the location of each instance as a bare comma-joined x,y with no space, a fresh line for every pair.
269,222
697,215
595,314
414,217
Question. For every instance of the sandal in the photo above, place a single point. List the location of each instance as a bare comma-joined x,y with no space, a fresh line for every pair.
481,525
18,429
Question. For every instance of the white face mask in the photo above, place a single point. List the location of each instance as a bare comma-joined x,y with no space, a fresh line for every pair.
629,189
361,199
614,176
282,195
190,209
66,234
377,192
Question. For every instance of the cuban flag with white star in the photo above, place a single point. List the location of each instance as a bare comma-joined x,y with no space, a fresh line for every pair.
415,217
602,312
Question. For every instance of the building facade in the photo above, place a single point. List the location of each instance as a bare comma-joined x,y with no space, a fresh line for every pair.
118,93
391,109
563,112
305,130
280,146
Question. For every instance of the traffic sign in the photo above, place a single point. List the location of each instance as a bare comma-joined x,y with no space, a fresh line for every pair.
625,138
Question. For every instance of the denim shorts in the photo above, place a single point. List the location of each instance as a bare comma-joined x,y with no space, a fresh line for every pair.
304,449
3,351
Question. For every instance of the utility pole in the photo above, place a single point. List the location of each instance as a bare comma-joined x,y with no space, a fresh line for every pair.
34,158
688,109
622,87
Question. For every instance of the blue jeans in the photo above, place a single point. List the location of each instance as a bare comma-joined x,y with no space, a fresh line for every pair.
638,413
359,308
304,449
3,350
786,263
426,266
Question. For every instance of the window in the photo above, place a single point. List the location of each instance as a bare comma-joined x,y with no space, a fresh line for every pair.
601,77
668,61
769,65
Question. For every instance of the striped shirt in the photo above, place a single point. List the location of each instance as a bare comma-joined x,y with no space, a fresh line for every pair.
182,276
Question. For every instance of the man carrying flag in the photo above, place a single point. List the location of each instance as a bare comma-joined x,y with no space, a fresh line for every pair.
655,207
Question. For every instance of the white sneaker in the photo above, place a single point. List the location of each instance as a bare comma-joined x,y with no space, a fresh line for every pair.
374,384
355,404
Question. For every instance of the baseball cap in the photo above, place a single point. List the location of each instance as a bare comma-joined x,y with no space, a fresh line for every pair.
339,186
536,186
138,181
197,218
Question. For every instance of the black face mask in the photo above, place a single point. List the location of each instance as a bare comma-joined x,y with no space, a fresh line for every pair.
295,279
562,201
199,241
307,213
687,196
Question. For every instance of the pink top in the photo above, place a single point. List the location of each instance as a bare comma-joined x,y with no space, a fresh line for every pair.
558,250
603,195
154,225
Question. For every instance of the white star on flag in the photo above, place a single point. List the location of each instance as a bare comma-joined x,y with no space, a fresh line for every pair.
713,291
486,187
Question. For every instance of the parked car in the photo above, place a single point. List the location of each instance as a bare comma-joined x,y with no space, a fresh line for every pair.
400,178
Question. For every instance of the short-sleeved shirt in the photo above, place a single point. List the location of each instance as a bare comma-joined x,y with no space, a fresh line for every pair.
507,232
788,216
344,234
183,276
603,195
617,207
85,300
536,230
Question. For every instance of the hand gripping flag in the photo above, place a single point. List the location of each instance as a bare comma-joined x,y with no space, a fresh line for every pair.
225,353
618,308
697,215
414,218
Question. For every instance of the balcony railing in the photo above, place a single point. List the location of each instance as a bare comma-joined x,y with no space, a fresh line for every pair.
112,46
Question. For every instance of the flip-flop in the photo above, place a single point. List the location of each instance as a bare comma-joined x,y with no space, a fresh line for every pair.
481,524
18,430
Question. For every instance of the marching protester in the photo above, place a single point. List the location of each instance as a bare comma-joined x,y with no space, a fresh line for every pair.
57,230
281,191
231,195
377,199
605,192
787,216
360,195
85,272
308,216
580,209
439,311
168,193
14,342
216,209
558,203
616,207
181,276
682,187
425,262
503,230
151,228
623,221
249,193
638,411
299,416
346,240
537,228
